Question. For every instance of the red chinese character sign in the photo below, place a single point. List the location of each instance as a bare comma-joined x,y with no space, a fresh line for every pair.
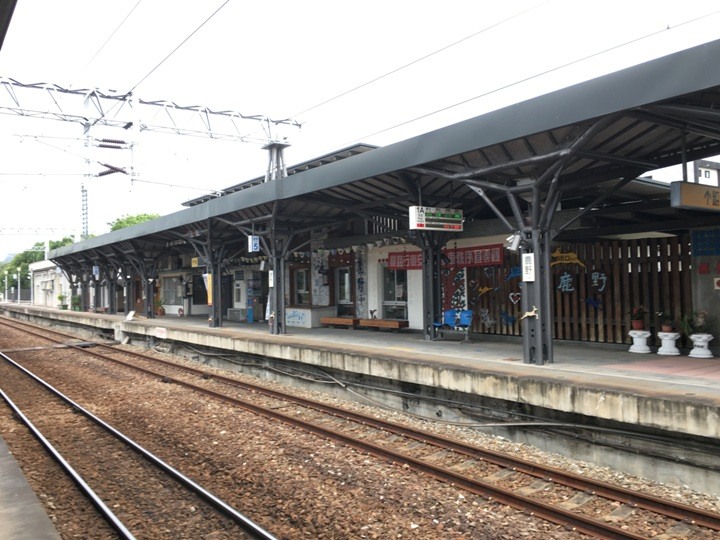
491,255
454,268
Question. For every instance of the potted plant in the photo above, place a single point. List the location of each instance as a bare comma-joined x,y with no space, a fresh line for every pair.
696,327
695,323
75,302
666,321
62,299
637,317
159,308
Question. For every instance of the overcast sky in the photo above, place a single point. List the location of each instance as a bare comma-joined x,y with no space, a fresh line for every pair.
375,72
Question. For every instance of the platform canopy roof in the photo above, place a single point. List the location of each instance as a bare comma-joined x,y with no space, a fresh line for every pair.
7,8
593,140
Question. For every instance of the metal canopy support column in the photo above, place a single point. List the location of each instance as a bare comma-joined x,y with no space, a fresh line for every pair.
213,319
537,302
112,293
109,277
129,290
215,278
146,268
277,295
83,291
213,263
149,293
431,244
214,260
277,250
97,292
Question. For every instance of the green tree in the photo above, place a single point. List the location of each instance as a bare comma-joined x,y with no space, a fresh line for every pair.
54,244
129,221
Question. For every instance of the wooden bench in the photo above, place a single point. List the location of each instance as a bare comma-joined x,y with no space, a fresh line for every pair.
348,322
376,324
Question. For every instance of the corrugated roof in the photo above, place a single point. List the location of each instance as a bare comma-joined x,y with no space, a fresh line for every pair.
595,135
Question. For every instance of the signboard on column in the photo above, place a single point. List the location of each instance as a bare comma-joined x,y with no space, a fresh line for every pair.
253,243
528,267
207,278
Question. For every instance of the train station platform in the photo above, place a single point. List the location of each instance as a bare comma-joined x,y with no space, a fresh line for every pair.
22,516
677,394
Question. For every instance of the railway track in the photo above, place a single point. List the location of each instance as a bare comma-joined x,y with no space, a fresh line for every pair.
155,500
578,503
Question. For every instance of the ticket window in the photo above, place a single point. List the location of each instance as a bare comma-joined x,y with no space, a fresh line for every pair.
394,305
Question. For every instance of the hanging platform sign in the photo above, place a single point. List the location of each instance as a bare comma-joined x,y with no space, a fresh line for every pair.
694,196
427,218
253,243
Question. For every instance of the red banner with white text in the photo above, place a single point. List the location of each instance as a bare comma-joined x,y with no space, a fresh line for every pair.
491,255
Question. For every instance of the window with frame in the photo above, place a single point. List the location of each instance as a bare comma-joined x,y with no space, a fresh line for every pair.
172,291
199,292
301,286
394,304
344,292
344,286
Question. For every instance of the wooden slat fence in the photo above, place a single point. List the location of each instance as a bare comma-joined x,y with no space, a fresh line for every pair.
652,272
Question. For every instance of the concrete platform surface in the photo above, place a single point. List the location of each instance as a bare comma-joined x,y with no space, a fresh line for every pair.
675,393
22,516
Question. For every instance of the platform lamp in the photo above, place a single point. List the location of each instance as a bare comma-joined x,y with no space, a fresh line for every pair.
19,275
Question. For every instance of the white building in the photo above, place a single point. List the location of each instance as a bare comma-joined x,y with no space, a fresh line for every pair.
48,282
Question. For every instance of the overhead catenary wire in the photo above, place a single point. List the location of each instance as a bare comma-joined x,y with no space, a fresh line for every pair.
165,59
416,61
112,34
421,58
534,76
183,42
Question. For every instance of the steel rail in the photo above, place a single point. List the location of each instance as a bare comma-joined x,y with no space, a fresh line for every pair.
250,526
671,509
107,514
548,512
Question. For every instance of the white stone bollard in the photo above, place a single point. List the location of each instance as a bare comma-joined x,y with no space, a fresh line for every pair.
667,340
639,338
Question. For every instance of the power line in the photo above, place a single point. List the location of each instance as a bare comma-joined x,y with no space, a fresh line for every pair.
129,92
39,174
112,34
413,62
180,45
535,76
425,57
176,185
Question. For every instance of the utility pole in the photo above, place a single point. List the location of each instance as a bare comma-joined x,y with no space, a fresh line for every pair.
85,228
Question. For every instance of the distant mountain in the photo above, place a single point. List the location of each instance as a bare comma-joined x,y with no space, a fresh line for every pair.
9,257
